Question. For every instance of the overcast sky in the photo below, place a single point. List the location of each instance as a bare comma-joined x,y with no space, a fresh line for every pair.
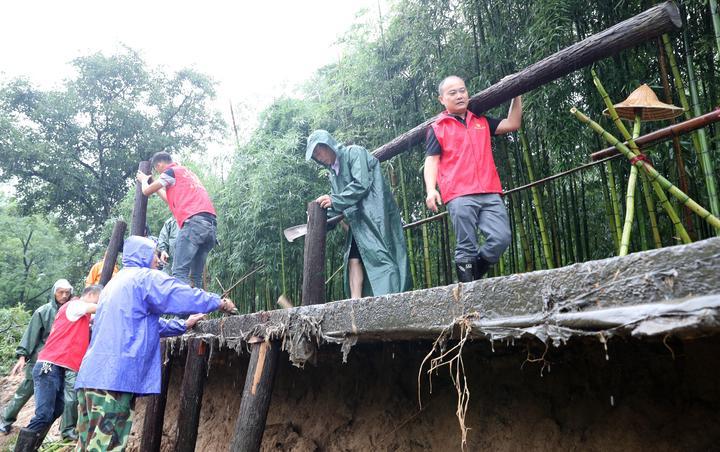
256,50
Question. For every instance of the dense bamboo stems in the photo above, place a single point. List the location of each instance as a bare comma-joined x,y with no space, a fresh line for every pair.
679,228
615,203
715,14
406,215
516,210
537,201
707,164
679,159
652,172
426,256
697,136
609,208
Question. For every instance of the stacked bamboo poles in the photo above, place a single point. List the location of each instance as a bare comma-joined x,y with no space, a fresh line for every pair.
654,176
679,228
698,137
537,201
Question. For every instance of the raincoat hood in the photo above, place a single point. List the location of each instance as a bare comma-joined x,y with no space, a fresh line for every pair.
321,137
138,252
61,284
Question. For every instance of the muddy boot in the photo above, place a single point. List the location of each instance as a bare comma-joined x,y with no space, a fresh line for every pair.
464,271
480,268
28,440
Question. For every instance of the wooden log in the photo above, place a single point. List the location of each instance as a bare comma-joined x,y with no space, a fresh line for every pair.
255,403
662,18
139,213
664,134
155,410
113,249
313,287
191,394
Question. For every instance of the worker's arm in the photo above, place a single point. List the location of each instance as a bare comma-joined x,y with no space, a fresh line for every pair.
430,171
513,120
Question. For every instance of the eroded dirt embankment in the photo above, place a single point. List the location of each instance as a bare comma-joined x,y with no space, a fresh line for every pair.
640,399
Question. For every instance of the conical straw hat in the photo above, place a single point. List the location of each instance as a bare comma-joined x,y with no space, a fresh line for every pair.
647,104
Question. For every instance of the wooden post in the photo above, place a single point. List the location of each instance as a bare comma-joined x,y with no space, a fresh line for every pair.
155,410
139,213
113,249
191,393
313,288
255,403
661,18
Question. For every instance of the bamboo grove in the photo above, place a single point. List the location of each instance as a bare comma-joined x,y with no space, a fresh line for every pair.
385,83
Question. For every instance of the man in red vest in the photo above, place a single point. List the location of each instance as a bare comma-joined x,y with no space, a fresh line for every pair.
459,161
190,204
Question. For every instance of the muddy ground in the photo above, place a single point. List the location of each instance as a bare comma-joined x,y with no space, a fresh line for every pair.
650,396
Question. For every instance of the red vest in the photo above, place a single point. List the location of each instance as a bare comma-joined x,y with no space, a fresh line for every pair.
68,341
466,163
187,197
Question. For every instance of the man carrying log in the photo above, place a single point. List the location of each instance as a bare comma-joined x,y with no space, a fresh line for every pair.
459,161
375,253
123,360
32,342
190,204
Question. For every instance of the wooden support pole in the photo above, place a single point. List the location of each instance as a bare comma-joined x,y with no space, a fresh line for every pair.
255,403
155,409
139,213
313,288
661,18
664,134
113,249
191,394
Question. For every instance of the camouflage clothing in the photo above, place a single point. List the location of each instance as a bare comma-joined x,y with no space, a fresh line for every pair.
105,419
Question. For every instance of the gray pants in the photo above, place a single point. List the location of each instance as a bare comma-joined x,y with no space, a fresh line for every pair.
487,213
194,241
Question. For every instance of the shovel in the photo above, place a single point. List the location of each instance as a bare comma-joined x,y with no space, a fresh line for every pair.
300,230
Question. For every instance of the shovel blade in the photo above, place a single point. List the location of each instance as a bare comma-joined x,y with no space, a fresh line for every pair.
295,232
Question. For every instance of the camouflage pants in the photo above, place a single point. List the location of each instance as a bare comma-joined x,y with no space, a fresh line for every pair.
105,419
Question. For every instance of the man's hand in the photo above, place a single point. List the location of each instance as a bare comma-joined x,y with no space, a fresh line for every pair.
433,200
18,367
324,201
142,177
164,256
193,319
228,306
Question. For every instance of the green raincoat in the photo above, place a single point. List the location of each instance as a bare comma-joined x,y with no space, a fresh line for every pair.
360,193
37,332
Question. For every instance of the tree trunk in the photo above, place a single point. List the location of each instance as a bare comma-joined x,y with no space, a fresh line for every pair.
191,394
155,409
313,287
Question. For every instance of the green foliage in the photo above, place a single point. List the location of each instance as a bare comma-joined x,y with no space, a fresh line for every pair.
33,255
74,151
14,321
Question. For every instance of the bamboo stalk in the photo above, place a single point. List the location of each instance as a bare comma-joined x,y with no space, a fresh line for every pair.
537,201
426,256
608,207
716,24
652,172
630,198
679,228
700,150
406,214
615,204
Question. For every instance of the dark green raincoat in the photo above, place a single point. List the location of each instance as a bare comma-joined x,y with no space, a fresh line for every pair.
360,193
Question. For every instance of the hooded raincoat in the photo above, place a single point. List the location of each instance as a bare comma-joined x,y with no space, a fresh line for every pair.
359,192
124,352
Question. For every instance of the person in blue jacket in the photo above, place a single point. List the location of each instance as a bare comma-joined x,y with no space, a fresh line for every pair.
123,360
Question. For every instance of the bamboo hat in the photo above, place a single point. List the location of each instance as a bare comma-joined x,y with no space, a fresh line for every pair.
650,108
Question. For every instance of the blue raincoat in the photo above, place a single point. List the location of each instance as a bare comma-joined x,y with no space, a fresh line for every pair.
124,352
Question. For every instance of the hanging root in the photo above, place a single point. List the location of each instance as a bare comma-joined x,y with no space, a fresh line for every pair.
453,359
531,359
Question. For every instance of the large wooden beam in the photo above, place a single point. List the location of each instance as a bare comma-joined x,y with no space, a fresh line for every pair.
664,134
313,286
191,394
155,409
113,249
662,18
255,403
139,213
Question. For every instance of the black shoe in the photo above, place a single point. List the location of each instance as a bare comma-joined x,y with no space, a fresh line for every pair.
70,436
465,271
481,267
5,428
28,440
